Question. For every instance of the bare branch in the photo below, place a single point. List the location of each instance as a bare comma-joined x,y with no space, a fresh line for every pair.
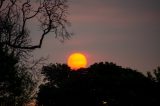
51,15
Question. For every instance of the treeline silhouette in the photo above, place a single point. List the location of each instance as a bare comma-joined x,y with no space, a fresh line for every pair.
102,84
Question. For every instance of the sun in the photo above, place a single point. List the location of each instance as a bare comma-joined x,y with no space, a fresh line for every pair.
76,61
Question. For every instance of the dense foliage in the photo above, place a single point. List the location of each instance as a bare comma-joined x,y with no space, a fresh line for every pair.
100,84
16,84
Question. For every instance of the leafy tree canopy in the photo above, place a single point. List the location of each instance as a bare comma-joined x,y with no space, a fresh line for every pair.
100,84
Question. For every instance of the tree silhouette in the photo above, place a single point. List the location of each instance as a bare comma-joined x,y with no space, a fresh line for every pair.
121,86
16,15
16,84
155,77
55,76
100,84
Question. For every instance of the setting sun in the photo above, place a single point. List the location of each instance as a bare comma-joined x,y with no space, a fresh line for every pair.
76,61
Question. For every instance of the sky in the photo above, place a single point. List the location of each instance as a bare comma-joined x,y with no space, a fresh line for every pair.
125,32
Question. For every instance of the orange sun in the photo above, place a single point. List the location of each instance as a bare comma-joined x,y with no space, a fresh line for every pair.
76,61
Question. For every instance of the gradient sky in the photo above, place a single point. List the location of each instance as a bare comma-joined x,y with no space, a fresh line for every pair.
126,32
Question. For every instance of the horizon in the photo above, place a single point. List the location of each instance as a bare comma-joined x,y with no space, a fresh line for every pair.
94,53
123,32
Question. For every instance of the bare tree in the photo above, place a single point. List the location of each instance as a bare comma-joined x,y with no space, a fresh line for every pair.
16,15
16,38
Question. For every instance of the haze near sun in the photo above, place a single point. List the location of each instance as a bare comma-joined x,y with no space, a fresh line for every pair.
76,61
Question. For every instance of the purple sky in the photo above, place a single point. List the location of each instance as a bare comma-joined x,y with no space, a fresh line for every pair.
126,32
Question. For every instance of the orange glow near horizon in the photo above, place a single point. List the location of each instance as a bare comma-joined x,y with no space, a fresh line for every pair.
76,61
